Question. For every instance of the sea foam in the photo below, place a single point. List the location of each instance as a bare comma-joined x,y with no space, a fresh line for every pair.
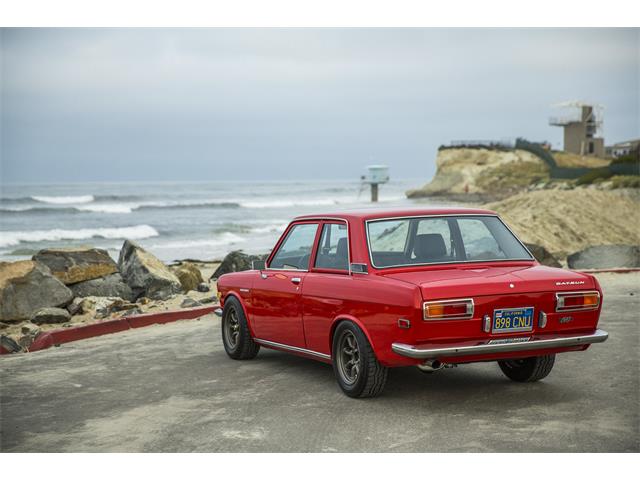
62,200
135,232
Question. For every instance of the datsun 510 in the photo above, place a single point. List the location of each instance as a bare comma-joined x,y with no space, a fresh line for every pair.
372,289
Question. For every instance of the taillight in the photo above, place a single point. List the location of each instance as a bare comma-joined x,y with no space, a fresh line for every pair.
448,309
571,301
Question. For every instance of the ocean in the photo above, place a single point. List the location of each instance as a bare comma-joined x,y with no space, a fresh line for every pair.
174,221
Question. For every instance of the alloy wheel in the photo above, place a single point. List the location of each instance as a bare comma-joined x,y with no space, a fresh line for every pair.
348,357
232,328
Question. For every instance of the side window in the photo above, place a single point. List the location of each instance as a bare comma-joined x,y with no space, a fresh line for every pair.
295,251
479,242
333,250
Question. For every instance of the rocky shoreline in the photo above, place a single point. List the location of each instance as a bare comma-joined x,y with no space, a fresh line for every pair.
62,288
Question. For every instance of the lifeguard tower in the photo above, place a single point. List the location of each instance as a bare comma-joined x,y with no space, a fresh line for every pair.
376,175
582,123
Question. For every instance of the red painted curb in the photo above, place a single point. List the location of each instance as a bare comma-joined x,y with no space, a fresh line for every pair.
57,337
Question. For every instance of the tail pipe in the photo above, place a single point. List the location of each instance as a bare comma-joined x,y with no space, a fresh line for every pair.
431,365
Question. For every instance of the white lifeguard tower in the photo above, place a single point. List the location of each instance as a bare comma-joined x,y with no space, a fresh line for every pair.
376,175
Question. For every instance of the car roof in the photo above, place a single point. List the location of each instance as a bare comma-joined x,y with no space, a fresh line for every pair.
377,212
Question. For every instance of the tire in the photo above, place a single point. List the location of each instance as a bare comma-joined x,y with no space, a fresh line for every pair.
356,367
236,337
529,369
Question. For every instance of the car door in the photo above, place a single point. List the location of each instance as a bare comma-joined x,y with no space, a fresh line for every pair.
276,295
327,285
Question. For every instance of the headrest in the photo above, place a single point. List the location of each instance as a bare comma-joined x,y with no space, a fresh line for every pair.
341,248
429,246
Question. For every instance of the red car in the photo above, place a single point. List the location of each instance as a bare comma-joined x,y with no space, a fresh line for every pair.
372,289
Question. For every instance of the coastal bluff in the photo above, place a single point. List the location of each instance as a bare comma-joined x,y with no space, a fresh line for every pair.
483,172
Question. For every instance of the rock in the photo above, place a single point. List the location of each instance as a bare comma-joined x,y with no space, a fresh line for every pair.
189,276
30,329
77,265
606,256
236,261
93,305
120,305
110,286
208,300
542,255
190,303
50,315
75,307
29,334
145,274
9,344
26,286
203,287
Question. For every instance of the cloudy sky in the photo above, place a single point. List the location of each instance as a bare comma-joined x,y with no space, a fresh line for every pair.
215,104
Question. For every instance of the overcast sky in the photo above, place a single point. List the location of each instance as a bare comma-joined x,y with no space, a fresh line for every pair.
215,104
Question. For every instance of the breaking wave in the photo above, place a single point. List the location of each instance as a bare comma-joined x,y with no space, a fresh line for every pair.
136,232
62,200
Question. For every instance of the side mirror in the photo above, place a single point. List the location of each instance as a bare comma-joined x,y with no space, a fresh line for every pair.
258,264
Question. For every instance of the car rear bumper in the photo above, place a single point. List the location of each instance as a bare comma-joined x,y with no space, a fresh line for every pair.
461,349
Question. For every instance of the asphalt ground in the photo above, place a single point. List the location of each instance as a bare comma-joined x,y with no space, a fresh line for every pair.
171,388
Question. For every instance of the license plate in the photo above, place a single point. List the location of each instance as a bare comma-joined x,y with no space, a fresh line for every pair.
513,320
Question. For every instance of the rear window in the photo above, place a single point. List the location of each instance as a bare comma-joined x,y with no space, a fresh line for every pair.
445,239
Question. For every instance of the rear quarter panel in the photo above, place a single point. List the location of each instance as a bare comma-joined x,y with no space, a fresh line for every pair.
374,303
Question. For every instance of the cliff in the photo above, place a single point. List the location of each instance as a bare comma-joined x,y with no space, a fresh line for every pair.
483,172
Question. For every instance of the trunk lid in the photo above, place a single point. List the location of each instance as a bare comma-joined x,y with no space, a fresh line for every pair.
472,281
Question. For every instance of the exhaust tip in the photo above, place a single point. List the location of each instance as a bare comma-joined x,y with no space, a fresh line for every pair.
431,365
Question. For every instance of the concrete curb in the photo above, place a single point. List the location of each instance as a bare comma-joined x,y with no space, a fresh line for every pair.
57,337
609,270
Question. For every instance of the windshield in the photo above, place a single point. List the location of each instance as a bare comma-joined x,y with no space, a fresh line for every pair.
444,239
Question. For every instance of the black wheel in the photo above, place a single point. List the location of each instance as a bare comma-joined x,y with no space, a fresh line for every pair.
529,369
355,365
235,332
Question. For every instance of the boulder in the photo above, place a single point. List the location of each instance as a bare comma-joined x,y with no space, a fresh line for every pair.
203,287
145,274
110,286
50,315
77,265
606,256
189,276
236,261
27,286
542,255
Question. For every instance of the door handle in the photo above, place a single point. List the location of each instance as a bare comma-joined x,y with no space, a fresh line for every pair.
296,280
264,276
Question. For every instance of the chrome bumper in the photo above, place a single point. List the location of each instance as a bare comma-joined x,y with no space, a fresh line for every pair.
218,312
433,351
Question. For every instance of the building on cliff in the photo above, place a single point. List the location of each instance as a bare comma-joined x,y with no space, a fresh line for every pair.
582,124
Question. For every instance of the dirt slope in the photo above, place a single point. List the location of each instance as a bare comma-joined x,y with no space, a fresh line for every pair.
565,221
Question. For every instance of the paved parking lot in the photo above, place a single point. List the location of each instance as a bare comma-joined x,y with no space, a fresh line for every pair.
172,388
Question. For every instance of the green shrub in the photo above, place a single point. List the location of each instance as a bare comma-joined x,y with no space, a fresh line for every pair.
625,181
595,175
